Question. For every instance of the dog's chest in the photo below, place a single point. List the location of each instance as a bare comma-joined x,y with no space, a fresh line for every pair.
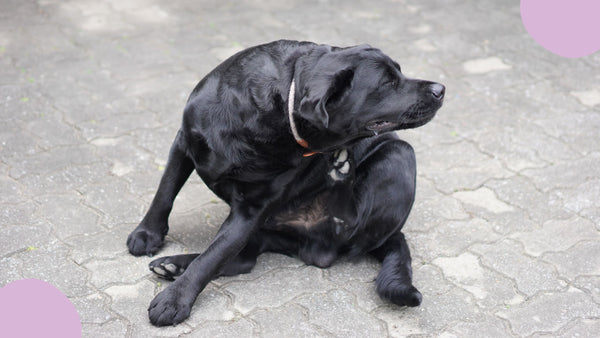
303,216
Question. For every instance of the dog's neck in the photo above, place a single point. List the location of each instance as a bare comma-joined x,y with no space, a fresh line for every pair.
302,142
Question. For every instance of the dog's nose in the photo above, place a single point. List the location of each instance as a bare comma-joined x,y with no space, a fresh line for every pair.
437,90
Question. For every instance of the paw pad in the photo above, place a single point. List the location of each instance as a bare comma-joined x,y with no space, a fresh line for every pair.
341,165
168,271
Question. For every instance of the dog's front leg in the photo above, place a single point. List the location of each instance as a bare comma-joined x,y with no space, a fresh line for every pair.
174,304
149,235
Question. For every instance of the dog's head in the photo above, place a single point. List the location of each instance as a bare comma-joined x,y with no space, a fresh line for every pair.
350,93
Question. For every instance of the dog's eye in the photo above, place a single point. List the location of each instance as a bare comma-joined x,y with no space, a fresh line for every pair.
391,83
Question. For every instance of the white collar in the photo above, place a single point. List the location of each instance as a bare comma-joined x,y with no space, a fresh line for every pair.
291,98
302,142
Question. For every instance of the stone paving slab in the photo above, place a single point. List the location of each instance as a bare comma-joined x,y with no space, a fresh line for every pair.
505,231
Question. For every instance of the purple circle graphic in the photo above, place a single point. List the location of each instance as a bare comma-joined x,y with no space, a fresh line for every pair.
34,308
569,28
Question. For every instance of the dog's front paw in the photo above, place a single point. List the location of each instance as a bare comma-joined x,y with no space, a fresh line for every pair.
144,241
172,306
342,167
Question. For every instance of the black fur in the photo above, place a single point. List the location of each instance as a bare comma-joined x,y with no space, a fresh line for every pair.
352,197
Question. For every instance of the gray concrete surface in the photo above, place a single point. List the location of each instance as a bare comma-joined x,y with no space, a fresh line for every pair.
505,232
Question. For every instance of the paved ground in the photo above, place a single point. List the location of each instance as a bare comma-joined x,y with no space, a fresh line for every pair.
505,231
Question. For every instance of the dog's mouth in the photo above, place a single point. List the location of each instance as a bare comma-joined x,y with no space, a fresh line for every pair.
416,116
379,126
376,127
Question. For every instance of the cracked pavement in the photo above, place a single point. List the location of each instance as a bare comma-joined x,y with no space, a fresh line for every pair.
505,230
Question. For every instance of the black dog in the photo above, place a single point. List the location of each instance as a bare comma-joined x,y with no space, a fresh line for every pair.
287,134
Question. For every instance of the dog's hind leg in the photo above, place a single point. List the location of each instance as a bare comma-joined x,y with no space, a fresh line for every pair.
261,241
244,262
149,235
394,281
171,267
386,184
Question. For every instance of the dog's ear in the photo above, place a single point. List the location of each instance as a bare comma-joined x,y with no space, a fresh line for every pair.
321,91
342,81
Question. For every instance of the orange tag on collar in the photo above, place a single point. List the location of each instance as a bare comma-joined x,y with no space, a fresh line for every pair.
302,142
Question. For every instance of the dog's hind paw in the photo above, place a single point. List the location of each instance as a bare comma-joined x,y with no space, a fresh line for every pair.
342,167
168,271
171,267
402,295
